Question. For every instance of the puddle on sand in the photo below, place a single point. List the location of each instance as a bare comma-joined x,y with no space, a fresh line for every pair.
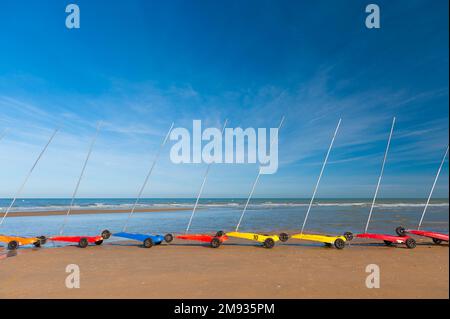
7,253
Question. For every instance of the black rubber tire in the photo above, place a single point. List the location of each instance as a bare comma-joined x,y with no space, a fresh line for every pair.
148,243
13,245
216,242
269,243
437,241
283,237
106,234
388,243
339,243
42,240
401,231
99,242
37,244
328,245
410,243
83,243
348,236
220,233
168,238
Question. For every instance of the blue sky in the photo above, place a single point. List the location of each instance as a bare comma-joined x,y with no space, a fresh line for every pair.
139,65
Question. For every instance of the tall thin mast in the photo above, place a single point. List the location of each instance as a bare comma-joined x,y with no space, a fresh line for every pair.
381,175
80,178
147,178
19,191
201,188
432,188
253,187
320,175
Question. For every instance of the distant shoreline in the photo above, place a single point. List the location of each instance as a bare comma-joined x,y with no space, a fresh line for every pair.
230,198
92,212
54,207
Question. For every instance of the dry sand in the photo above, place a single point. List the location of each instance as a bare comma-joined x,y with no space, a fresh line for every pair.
238,269
92,211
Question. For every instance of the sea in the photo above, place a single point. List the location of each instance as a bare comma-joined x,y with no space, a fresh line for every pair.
266,215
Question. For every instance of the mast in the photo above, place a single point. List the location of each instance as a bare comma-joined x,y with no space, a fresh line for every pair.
147,178
201,188
320,175
253,187
19,191
432,188
381,175
80,178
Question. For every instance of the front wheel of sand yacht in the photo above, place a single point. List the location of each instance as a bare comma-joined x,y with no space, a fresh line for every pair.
437,241
106,234
339,243
168,238
13,245
42,240
99,242
401,231
283,237
348,236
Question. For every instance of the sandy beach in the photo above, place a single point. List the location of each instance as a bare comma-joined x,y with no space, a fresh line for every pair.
91,212
238,269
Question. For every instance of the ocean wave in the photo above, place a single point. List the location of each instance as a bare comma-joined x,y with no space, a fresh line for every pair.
352,204
262,205
412,205
281,204
98,206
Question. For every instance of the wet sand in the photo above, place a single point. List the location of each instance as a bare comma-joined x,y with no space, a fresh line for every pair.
92,212
238,269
